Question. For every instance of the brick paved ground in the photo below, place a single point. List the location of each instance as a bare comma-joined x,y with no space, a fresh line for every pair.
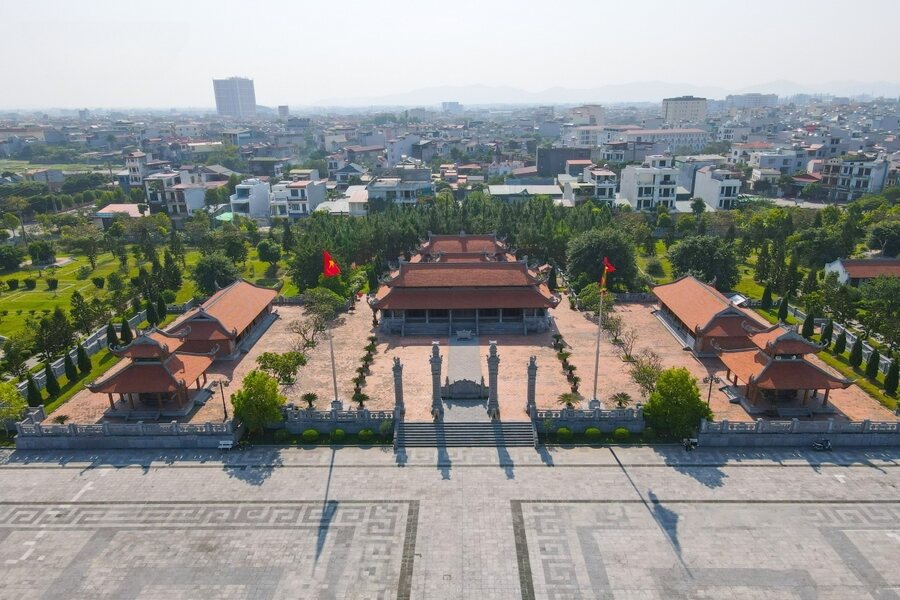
620,523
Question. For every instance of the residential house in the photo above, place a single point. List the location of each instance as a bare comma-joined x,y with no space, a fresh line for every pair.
717,187
651,184
251,199
856,272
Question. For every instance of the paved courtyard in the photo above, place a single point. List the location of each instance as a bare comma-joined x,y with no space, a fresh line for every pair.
616,523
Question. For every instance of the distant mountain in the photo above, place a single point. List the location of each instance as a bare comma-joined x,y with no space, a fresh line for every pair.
641,91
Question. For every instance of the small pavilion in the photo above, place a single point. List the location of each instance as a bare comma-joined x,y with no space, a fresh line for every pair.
155,371
775,369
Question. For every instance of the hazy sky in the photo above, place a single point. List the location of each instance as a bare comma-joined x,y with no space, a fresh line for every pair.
92,53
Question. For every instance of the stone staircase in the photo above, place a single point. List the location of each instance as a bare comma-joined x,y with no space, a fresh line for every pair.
423,434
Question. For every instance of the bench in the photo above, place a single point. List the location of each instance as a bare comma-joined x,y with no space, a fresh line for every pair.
226,444
464,334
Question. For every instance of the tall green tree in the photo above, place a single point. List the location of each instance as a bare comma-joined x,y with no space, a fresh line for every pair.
856,354
708,258
763,269
12,404
675,408
809,326
71,371
258,402
872,364
892,377
33,394
51,384
126,336
766,303
840,344
783,309
112,338
827,333
586,251
214,271
84,361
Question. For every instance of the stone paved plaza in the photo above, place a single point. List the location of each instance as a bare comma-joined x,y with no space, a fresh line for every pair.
635,522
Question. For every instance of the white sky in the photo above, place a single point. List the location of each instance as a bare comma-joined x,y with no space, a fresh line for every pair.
73,53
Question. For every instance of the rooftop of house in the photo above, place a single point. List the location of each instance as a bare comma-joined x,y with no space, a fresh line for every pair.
871,268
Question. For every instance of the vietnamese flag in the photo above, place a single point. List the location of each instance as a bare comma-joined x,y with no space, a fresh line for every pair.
607,268
331,268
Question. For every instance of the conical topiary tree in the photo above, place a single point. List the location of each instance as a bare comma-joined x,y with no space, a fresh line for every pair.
84,361
809,326
50,383
71,371
766,303
125,334
840,344
872,365
152,317
892,378
33,394
856,353
783,310
827,333
161,308
112,338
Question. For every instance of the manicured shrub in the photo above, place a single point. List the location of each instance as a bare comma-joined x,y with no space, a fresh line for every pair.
83,272
282,436
840,344
310,436
52,283
386,429
564,434
33,395
50,384
856,353
169,296
99,282
809,327
84,361
783,310
592,434
766,303
655,268
13,284
872,365
30,283
621,434
71,371
649,434
370,347
366,435
827,333
892,377
338,436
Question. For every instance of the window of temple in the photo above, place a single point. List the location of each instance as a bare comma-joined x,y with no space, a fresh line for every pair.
415,315
489,315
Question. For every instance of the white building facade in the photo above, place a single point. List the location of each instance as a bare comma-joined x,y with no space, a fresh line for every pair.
651,184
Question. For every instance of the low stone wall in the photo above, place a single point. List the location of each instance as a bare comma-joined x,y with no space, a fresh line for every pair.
607,421
32,434
799,433
297,420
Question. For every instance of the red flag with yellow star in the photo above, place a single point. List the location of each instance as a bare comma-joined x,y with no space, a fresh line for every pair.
607,268
331,268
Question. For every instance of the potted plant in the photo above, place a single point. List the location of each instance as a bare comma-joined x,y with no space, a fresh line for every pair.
310,399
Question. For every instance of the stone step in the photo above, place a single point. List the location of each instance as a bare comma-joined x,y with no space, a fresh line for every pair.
465,434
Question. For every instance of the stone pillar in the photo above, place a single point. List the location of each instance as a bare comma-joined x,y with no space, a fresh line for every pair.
399,407
531,404
493,405
437,407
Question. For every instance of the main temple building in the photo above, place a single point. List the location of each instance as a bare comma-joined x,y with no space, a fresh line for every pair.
464,284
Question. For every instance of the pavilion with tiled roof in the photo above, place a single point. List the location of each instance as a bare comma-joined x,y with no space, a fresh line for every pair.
155,371
463,282
775,369
701,314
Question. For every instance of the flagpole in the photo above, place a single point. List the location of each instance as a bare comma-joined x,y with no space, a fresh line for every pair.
333,369
597,351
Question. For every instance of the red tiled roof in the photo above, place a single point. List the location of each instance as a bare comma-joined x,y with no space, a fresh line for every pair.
778,339
460,298
154,377
696,303
234,307
154,343
464,274
871,268
779,374
462,243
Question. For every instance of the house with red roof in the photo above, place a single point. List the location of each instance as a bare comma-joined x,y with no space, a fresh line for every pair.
464,283
160,367
703,317
859,271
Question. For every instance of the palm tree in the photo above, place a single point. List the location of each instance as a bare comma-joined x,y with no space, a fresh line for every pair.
620,399
569,399
310,399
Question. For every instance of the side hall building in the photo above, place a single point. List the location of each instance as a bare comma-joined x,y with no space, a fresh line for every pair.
468,283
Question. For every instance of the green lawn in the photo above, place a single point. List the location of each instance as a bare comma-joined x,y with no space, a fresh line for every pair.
663,257
102,362
873,388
